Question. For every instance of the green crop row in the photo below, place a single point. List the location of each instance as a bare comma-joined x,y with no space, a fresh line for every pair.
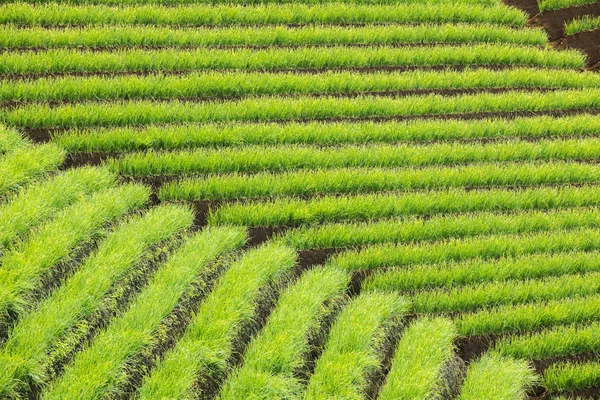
12,37
40,201
549,5
322,133
498,378
486,295
582,24
111,352
81,295
278,354
365,180
293,108
484,247
229,84
26,163
556,342
23,267
423,356
478,271
414,229
291,211
292,157
530,317
566,376
224,317
244,2
353,353
10,140
273,58
201,14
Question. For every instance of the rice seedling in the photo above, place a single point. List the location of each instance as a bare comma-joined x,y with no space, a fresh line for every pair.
364,180
582,24
27,163
179,2
24,356
264,109
13,37
240,84
478,270
272,58
549,5
102,369
496,377
487,295
225,14
424,355
415,229
559,341
39,201
275,357
568,376
529,317
293,157
484,247
10,139
207,347
172,137
24,267
295,211
353,353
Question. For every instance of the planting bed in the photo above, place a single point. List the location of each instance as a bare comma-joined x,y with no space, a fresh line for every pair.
299,199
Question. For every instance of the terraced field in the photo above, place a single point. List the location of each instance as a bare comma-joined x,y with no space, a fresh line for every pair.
299,199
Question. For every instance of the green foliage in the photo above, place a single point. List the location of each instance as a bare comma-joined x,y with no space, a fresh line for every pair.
582,24
565,376
549,5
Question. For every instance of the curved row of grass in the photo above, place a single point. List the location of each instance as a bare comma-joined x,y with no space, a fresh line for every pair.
173,137
183,2
14,37
240,84
273,58
202,15
295,211
286,108
582,24
278,159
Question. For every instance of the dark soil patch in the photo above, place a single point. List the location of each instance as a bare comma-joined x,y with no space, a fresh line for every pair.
310,258
529,6
472,347
203,209
588,42
74,160
554,21
260,234
543,364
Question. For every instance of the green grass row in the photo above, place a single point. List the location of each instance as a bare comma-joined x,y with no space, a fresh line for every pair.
293,211
277,355
556,342
567,376
479,271
26,163
81,295
530,317
414,229
39,201
201,14
353,354
24,267
292,157
483,247
499,378
173,137
102,369
582,24
422,361
12,37
183,2
293,108
10,140
494,294
273,58
241,84
549,5
225,316
365,180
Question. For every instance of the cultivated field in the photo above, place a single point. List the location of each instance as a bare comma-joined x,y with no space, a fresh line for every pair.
300,199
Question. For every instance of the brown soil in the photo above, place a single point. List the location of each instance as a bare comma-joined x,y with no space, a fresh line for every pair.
554,21
74,160
588,42
260,234
529,6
